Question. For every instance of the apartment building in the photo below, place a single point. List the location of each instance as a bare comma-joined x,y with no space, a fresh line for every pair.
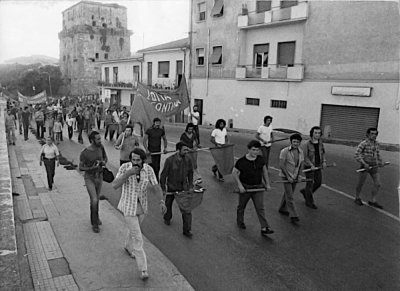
328,63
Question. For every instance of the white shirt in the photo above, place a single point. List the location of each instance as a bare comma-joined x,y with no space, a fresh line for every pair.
115,116
194,120
219,135
265,133
50,152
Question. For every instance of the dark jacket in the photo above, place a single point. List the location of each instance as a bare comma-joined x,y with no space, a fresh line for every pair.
177,174
309,153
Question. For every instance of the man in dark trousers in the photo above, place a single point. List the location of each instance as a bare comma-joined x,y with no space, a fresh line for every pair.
314,159
152,144
80,123
177,176
25,116
250,172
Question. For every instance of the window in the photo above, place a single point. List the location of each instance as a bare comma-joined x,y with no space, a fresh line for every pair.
136,73
263,5
202,11
278,104
107,75
286,4
286,52
261,55
106,56
216,57
253,101
163,69
97,55
218,9
200,56
115,75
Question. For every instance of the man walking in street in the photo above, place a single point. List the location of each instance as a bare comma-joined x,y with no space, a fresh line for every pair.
92,160
290,161
195,116
368,155
125,143
265,136
315,160
10,127
152,144
135,177
80,123
39,119
25,116
177,176
250,172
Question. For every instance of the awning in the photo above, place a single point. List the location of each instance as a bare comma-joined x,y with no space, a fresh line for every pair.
261,48
217,9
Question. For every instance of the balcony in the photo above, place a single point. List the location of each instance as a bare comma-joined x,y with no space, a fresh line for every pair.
270,73
274,17
117,85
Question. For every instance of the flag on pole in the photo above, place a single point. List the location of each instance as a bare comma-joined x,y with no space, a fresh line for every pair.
149,103
223,157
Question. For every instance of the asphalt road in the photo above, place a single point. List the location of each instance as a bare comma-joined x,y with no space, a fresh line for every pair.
340,246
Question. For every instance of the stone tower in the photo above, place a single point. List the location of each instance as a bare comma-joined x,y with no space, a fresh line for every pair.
92,32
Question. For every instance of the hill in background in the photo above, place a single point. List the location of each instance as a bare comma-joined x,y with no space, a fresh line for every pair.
34,59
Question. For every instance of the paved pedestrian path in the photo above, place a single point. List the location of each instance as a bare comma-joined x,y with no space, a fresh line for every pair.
63,252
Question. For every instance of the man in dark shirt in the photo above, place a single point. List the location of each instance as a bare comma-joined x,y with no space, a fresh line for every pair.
92,160
25,116
152,144
177,176
250,172
314,159
80,123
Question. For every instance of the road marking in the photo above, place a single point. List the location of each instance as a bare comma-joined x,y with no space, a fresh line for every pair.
344,194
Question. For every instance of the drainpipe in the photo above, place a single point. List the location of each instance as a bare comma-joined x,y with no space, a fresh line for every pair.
190,53
208,60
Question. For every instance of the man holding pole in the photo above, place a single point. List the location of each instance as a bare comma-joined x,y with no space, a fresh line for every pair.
251,175
314,161
290,161
368,155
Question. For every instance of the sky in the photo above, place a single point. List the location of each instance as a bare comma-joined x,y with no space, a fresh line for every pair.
31,27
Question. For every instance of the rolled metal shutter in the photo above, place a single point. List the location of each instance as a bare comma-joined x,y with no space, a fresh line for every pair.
348,122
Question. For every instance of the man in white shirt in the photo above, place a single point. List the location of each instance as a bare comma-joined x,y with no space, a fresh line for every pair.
195,118
265,136
219,137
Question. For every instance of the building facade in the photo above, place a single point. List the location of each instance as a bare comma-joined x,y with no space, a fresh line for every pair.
161,67
92,32
306,63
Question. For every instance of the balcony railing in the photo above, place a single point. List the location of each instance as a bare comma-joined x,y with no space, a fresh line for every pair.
274,17
271,72
116,85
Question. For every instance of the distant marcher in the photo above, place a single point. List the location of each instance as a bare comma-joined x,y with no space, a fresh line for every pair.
19,115
74,114
10,127
50,124
250,172
80,123
125,143
265,136
57,130
177,176
49,155
189,137
195,119
92,160
290,161
108,123
26,116
314,159
152,144
39,119
134,177
70,125
369,157
219,137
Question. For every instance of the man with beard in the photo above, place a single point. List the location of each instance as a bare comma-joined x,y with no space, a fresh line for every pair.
92,160
152,144
177,176
125,143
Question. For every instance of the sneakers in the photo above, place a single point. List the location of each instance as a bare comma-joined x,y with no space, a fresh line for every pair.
358,202
188,234
311,205
144,275
266,230
375,204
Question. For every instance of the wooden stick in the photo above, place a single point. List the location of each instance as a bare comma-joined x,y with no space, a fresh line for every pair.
250,190
318,168
295,181
363,169
160,153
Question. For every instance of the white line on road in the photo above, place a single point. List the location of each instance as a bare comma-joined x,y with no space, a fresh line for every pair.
343,194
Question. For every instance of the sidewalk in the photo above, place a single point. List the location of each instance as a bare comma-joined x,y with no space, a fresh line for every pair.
62,250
